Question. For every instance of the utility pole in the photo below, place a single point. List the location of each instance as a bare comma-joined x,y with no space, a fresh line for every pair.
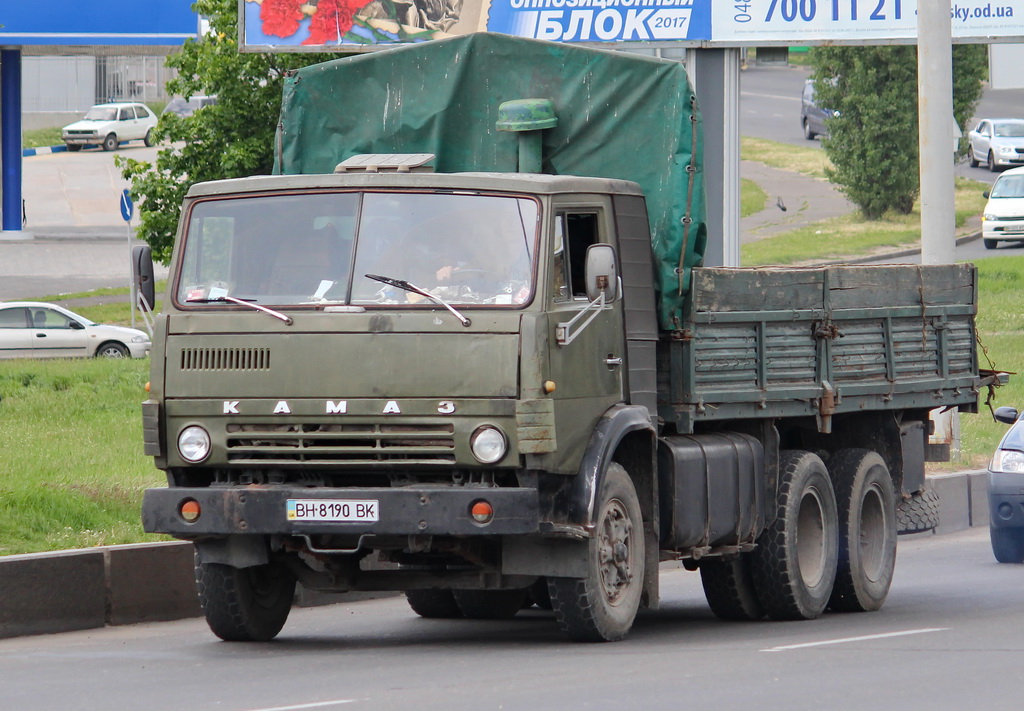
935,117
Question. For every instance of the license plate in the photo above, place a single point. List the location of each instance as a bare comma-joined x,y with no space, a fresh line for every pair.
334,510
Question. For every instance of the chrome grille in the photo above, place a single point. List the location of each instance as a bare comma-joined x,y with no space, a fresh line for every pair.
225,359
336,443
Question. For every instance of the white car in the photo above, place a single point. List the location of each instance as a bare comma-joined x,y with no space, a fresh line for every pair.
999,143
109,125
32,329
1003,218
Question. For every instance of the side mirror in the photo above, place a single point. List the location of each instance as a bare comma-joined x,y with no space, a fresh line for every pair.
602,274
985,194
142,275
1005,414
75,325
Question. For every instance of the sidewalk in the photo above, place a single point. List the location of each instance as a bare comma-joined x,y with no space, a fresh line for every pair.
807,200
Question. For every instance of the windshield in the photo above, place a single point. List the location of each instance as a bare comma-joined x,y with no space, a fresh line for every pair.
100,114
317,248
1009,130
1009,186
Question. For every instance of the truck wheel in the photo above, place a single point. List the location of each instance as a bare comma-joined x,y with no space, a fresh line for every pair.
794,565
490,604
1007,544
867,530
433,604
245,604
729,589
918,513
602,606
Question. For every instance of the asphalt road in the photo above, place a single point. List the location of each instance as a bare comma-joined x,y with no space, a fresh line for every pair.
770,108
948,638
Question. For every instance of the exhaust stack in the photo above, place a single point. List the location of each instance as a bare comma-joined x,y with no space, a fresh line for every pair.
528,117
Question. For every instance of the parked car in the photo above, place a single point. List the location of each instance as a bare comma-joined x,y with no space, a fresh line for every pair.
999,143
186,107
1006,490
813,118
109,125
32,329
1003,218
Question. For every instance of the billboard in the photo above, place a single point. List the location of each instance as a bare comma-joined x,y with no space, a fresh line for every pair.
97,22
357,25
857,21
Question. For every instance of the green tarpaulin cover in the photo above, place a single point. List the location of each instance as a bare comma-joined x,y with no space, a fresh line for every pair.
619,116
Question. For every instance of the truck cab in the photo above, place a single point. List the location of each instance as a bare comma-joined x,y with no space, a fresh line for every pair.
360,373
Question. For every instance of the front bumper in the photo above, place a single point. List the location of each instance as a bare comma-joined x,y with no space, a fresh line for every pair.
1009,229
262,510
1006,500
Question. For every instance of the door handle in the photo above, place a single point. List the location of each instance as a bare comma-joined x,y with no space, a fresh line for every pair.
40,335
612,361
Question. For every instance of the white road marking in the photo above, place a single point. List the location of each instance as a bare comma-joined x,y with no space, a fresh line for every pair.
844,640
314,705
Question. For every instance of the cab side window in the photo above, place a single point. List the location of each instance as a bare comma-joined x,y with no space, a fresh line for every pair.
574,232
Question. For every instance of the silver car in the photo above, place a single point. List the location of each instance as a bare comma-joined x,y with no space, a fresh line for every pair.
999,143
1006,491
32,329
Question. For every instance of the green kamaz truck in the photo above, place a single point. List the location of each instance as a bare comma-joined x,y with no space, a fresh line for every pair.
461,345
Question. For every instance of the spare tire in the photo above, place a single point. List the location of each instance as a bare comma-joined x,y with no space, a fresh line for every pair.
918,513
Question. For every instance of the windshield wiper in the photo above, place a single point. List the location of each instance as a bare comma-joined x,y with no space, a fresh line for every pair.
408,286
276,314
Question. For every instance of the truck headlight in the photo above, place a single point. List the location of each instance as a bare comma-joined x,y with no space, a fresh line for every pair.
194,444
1008,460
488,444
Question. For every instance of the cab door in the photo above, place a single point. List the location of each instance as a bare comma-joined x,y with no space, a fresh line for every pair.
55,335
588,371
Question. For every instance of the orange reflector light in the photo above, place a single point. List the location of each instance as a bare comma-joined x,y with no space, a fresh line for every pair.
189,510
481,511
147,386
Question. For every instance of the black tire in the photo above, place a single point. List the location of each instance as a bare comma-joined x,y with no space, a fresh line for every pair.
990,243
74,147
867,530
794,565
112,349
490,604
808,133
1007,544
148,139
919,513
110,143
729,589
991,162
433,604
245,604
971,160
602,606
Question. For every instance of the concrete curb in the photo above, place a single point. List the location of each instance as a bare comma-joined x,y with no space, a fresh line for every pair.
42,151
44,593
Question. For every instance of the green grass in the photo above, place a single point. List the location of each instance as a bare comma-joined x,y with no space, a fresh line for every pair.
849,235
41,137
1001,282
72,470
752,197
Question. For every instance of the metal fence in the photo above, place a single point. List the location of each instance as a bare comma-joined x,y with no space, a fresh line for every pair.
74,83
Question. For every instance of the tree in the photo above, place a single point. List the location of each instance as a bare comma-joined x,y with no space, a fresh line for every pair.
230,139
873,136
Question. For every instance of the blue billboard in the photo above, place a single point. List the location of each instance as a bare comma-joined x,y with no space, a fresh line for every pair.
97,22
